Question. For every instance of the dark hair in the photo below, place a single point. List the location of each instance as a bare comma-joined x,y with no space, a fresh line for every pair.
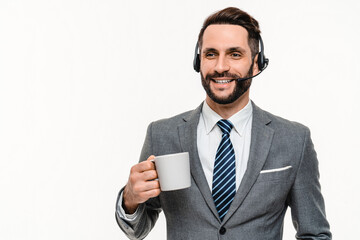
235,16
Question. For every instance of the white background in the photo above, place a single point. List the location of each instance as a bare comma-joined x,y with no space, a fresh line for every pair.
81,80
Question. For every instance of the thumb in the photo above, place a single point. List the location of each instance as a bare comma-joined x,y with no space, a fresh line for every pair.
152,157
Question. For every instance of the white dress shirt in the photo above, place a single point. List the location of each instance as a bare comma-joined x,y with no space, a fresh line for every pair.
208,139
209,136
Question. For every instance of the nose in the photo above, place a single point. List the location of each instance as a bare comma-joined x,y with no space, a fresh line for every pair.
222,64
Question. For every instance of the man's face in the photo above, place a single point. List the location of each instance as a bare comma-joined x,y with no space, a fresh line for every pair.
225,56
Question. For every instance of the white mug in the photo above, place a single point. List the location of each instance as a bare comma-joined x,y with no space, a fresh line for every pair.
173,171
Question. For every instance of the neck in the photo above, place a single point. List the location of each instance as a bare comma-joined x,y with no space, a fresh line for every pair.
227,110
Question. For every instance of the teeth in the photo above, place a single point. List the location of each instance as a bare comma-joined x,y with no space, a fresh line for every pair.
222,81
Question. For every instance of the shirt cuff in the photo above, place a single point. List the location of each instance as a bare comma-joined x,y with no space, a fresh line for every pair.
120,210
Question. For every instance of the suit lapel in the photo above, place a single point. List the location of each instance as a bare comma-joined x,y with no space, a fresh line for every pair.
261,138
188,140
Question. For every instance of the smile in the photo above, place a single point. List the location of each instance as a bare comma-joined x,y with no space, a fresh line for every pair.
223,81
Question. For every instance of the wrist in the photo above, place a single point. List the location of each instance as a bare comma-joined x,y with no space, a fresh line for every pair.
128,205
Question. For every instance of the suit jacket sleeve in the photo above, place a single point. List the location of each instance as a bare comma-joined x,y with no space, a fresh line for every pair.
305,199
148,212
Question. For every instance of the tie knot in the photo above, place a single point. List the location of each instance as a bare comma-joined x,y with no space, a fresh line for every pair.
225,126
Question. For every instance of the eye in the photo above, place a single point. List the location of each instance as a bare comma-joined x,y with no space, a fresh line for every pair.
210,55
236,55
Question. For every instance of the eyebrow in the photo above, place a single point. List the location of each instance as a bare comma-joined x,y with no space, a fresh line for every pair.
232,49
236,49
209,50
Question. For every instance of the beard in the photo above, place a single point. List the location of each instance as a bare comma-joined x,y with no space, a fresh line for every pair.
240,86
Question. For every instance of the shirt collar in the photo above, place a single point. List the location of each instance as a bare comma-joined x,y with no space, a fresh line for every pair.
239,119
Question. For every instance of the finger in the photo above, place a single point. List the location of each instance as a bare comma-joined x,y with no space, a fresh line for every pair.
150,185
151,158
149,163
143,166
140,188
149,175
151,193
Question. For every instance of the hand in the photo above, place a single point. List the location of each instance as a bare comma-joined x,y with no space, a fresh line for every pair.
141,185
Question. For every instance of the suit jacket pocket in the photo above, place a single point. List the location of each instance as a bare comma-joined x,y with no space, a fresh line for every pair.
276,174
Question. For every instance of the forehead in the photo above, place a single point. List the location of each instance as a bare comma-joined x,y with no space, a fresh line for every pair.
224,36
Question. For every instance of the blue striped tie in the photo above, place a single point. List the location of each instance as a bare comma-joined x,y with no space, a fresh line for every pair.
224,183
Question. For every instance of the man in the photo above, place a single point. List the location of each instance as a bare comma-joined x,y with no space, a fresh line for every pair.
247,165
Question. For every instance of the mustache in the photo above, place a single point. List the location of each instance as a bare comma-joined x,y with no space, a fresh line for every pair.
224,74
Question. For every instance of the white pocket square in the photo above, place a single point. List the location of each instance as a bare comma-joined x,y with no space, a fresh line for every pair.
275,169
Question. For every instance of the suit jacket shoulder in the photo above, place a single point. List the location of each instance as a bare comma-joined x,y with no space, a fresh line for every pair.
168,123
163,135
279,120
284,128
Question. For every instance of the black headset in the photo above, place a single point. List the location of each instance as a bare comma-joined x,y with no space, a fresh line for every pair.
262,61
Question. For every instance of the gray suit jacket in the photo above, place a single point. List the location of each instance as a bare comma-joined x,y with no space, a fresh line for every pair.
282,171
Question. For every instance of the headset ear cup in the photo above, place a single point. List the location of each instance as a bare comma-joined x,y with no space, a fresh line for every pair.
261,61
197,63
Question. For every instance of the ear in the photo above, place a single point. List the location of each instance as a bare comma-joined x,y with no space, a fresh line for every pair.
255,65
